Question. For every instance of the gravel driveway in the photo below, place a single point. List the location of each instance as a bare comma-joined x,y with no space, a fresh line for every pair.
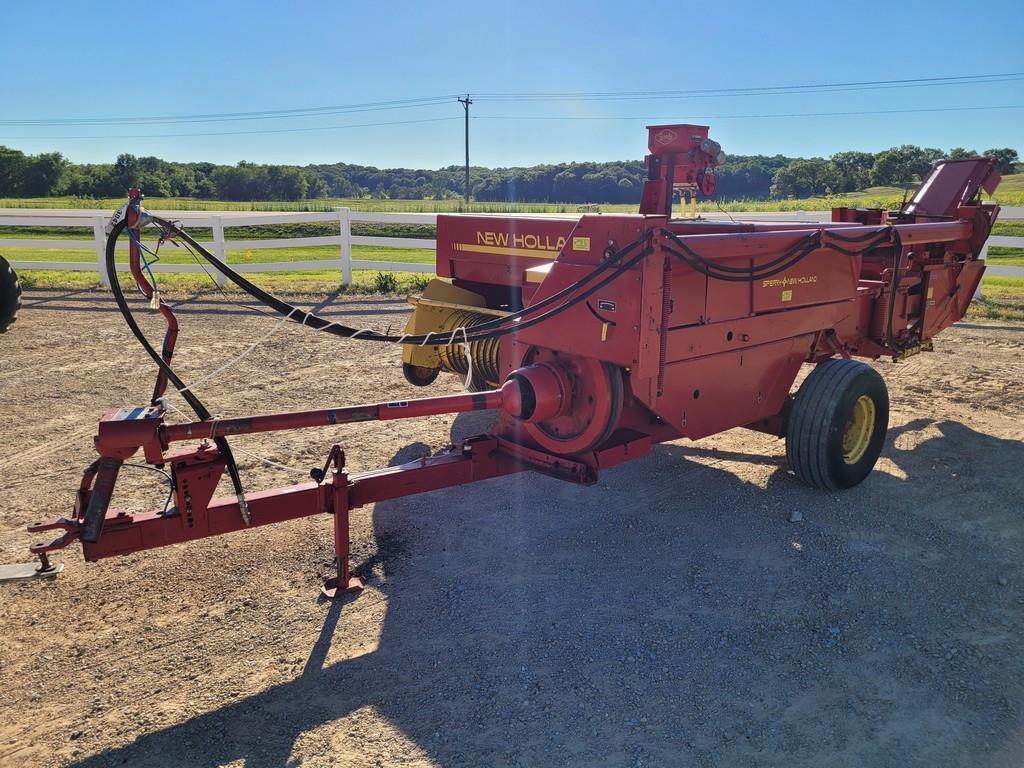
673,614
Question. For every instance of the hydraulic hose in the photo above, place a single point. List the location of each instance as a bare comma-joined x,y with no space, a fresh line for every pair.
748,274
790,258
502,326
190,397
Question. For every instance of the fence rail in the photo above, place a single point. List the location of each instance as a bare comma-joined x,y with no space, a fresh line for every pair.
344,240
220,244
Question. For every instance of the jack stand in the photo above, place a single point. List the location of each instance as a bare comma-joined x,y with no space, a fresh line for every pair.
344,582
25,571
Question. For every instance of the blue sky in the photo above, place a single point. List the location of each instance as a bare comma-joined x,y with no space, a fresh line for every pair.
96,59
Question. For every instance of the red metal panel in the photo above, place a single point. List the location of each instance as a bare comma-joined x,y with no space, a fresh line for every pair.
715,393
950,289
747,332
822,276
493,249
951,183
607,325
689,296
582,329
665,139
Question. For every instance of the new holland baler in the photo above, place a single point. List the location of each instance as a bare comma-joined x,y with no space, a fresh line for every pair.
594,338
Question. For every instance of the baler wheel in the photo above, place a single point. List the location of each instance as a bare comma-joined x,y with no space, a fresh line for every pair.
837,424
418,375
10,295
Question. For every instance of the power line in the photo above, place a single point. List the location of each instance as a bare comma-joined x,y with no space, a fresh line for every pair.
653,118
675,97
238,133
427,101
758,90
678,117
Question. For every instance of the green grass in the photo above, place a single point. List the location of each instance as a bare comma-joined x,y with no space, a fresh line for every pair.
1002,298
1005,257
319,204
364,281
1010,185
259,256
316,280
1007,285
1009,228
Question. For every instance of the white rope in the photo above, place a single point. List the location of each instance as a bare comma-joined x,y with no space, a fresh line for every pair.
252,455
239,357
466,351
173,407
400,340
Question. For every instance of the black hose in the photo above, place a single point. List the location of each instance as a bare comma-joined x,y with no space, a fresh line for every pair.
707,268
838,234
751,273
890,336
194,402
883,237
492,329
790,258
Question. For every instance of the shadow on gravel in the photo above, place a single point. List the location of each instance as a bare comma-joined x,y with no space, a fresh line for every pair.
672,616
983,327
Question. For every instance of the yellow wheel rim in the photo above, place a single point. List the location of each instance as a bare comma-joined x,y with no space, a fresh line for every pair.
859,429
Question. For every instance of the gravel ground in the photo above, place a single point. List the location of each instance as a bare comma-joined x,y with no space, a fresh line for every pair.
670,615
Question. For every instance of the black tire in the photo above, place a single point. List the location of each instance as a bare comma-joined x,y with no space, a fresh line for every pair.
419,376
10,295
827,442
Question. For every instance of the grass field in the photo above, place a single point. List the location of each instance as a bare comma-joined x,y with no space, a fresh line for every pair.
1010,192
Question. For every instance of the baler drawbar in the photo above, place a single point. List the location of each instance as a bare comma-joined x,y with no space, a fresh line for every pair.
593,338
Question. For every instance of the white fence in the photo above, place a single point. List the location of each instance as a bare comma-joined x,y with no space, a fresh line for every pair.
344,240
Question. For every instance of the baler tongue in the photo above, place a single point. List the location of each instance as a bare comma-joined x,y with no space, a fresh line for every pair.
531,394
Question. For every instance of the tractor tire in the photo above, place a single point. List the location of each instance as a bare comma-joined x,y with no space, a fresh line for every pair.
10,295
837,424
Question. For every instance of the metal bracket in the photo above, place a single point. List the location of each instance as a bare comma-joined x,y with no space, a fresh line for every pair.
25,571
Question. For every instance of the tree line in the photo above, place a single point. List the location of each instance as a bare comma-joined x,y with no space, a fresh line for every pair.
742,177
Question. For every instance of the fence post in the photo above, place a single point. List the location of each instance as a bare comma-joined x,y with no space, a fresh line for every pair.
345,226
99,224
218,248
982,255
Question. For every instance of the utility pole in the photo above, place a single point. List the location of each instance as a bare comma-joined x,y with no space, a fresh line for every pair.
465,105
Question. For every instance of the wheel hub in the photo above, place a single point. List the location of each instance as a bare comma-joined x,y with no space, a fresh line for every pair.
859,428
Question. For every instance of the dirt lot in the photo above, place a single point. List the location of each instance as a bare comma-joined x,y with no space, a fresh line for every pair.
670,615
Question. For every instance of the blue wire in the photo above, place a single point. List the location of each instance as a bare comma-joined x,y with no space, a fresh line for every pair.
142,254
